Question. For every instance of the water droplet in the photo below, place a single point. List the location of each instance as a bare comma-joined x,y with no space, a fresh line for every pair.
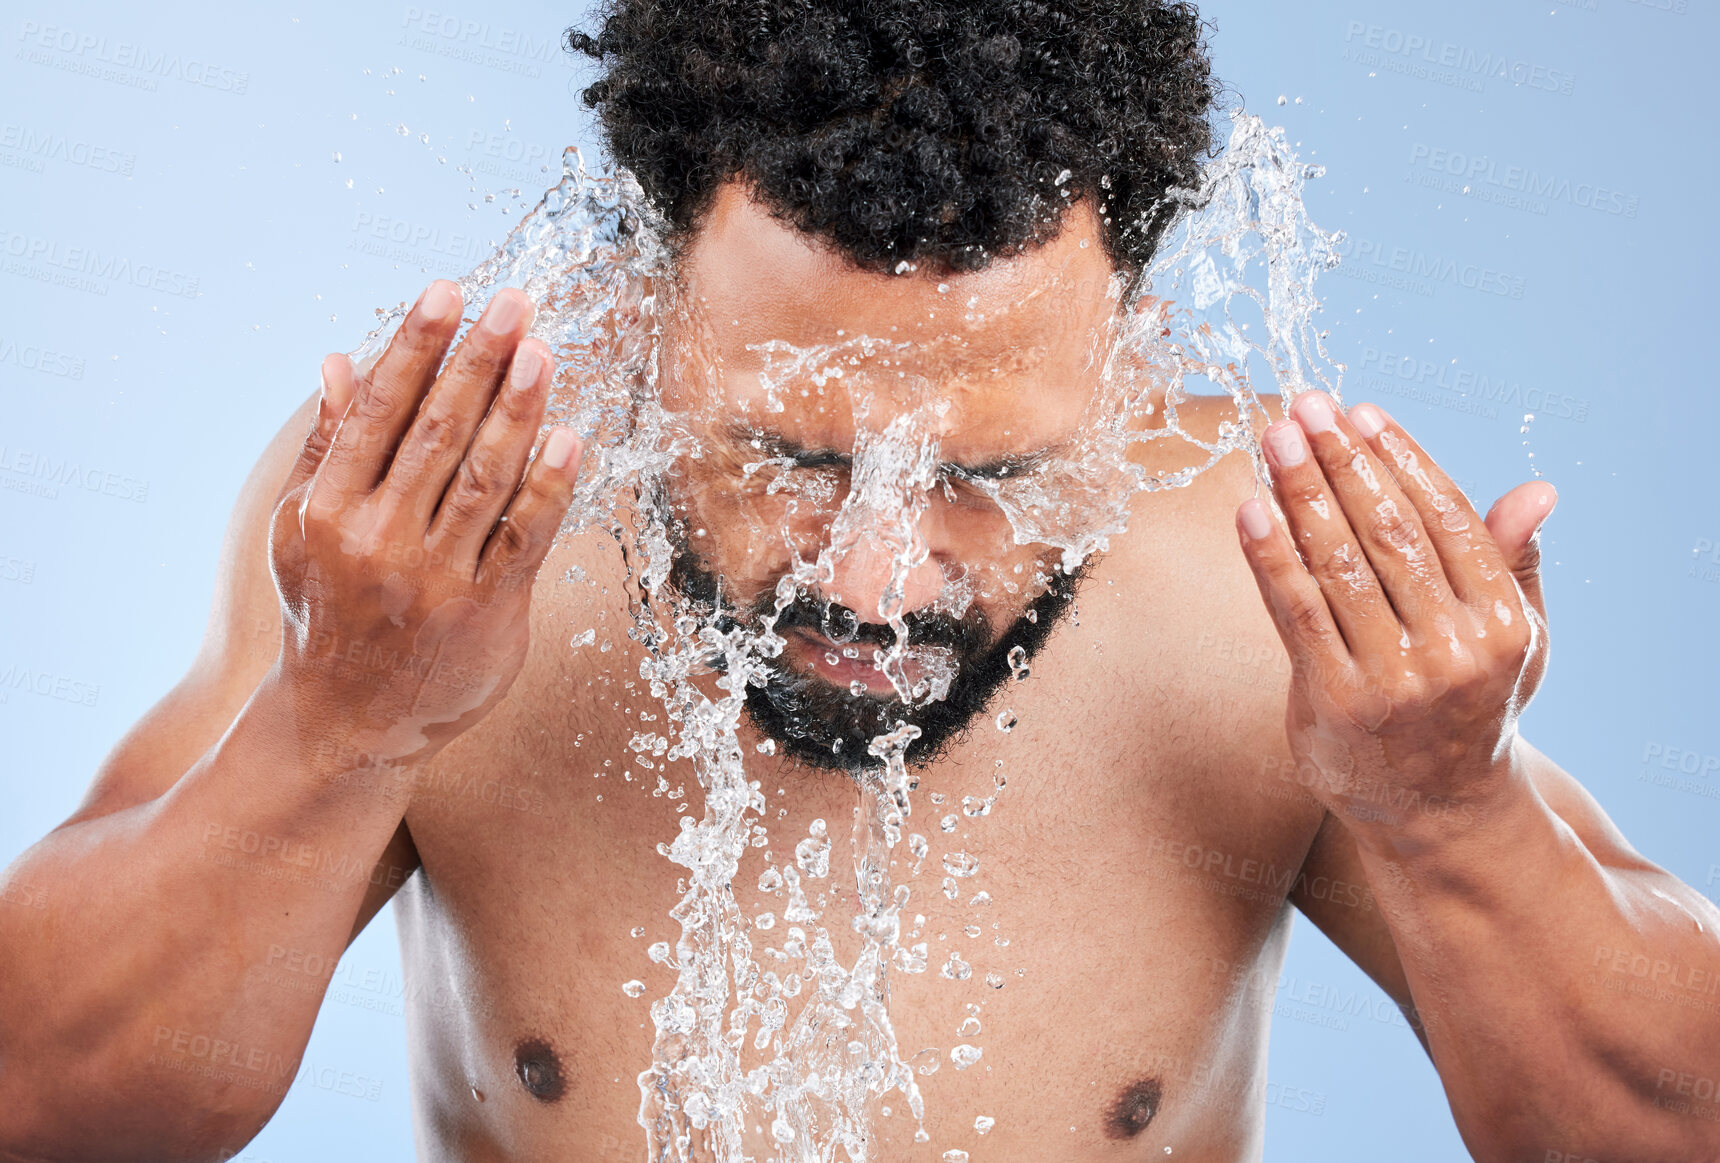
765,920
1018,662
781,1131
983,1124
659,952
964,1056
956,969
955,1155
960,863
918,845
995,980
949,822
769,880
1006,720
813,853
633,988
636,931
767,747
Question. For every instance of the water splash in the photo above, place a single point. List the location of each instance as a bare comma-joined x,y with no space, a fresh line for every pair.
1231,299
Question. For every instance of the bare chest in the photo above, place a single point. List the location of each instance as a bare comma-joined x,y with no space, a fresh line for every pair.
1080,888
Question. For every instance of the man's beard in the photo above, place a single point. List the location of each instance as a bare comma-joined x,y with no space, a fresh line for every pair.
826,726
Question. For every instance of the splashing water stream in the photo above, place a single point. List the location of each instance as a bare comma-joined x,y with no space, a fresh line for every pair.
1231,292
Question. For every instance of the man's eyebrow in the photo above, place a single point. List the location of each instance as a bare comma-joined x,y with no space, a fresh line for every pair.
775,445
998,468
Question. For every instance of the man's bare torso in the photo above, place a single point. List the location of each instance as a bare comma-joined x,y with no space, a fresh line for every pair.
1138,855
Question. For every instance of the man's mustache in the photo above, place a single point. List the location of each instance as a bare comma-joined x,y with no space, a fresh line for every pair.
842,626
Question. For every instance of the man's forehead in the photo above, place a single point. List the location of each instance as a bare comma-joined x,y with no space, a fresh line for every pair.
757,281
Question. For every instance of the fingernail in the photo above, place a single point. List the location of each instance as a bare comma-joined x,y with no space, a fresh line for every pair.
336,393
1369,420
440,301
1549,502
1256,521
527,364
1313,411
1284,441
504,313
558,449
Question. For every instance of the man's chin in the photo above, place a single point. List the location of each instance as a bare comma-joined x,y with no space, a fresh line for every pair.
821,726
818,732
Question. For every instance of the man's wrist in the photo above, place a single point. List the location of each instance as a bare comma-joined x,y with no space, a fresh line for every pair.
330,737
1444,829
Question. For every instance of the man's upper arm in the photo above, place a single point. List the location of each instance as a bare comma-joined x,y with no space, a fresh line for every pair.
240,644
1362,933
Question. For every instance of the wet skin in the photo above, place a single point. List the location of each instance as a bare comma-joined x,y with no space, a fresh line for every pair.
1177,783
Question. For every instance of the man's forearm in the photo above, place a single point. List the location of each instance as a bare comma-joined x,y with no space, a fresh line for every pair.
1571,1005
171,956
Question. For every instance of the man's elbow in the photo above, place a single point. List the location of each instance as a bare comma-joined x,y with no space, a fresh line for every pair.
55,1116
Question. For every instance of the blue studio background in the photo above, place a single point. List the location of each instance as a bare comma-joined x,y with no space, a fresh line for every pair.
198,201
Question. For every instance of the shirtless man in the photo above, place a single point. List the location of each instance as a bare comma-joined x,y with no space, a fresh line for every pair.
1161,817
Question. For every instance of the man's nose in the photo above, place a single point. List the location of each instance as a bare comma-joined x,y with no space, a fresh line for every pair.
862,575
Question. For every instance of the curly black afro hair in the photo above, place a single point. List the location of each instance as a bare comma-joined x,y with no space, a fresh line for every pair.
945,132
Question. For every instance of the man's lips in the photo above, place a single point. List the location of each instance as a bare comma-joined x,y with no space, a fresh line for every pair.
807,651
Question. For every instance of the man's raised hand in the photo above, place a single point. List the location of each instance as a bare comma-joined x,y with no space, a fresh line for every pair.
1416,630
411,528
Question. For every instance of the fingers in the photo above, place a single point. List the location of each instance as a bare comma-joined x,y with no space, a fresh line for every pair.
489,473
525,533
1298,607
436,444
388,396
1384,521
1467,555
1515,524
1323,537
337,390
